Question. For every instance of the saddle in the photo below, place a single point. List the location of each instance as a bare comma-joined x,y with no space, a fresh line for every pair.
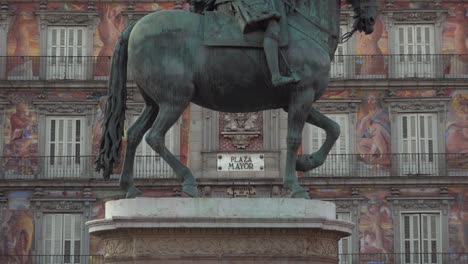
220,29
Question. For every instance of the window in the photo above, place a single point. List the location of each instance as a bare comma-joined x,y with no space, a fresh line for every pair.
344,245
148,163
338,161
415,50
338,63
418,143
62,234
66,48
64,147
421,238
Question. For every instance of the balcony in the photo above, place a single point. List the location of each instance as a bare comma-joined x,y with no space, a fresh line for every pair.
76,167
393,165
404,258
415,66
344,67
153,167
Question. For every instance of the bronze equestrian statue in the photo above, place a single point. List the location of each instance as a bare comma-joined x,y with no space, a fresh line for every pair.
177,58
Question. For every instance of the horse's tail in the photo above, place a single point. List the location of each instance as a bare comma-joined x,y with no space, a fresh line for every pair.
113,125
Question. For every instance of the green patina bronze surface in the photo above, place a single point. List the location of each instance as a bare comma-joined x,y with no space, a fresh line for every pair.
173,65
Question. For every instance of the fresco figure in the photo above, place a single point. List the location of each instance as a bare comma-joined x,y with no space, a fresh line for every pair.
373,132
16,235
109,31
459,63
373,62
457,131
375,228
21,125
19,31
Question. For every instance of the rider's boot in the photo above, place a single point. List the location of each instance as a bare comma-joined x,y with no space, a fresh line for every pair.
270,45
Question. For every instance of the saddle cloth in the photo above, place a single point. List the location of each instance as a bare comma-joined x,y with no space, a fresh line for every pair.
219,29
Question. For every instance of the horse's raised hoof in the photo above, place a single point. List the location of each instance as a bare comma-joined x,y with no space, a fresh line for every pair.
133,192
189,187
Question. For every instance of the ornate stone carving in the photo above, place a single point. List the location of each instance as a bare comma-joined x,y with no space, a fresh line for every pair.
418,204
240,128
425,105
4,5
67,19
241,191
415,17
64,108
63,206
335,106
118,247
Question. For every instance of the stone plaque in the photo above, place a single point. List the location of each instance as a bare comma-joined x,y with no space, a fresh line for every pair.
241,162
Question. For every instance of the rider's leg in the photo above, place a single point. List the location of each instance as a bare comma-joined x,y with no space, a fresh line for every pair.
270,45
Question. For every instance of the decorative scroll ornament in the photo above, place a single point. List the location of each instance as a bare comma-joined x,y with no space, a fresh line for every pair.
63,205
241,128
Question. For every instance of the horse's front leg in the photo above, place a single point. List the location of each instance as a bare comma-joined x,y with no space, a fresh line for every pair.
332,129
298,111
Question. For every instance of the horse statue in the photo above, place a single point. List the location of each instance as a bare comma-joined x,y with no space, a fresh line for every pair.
173,66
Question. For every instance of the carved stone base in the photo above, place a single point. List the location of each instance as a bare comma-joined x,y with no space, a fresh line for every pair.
184,230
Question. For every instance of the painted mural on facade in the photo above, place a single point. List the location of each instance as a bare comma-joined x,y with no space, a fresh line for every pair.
373,131
458,224
456,134
376,224
17,229
20,137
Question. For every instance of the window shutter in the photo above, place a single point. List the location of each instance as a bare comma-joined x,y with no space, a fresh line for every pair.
421,237
62,238
411,238
64,145
344,244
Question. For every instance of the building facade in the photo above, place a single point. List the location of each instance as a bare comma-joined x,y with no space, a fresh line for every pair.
399,170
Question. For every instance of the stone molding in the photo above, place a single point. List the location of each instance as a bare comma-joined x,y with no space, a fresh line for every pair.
441,203
65,107
436,104
187,243
62,205
67,18
337,106
415,16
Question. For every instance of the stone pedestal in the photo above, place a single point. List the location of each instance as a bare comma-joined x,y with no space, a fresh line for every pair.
220,230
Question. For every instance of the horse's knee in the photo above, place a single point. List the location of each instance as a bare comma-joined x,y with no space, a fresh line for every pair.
156,142
334,130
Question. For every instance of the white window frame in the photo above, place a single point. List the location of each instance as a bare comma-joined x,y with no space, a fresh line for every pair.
339,161
415,58
338,67
415,157
413,257
66,56
345,244
57,163
55,235
147,163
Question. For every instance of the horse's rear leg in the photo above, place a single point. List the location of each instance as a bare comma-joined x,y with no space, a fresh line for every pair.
134,135
168,115
332,129
298,110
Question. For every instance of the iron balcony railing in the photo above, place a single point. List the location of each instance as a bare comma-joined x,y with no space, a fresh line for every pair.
336,165
404,258
52,259
400,66
405,66
78,167
388,165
